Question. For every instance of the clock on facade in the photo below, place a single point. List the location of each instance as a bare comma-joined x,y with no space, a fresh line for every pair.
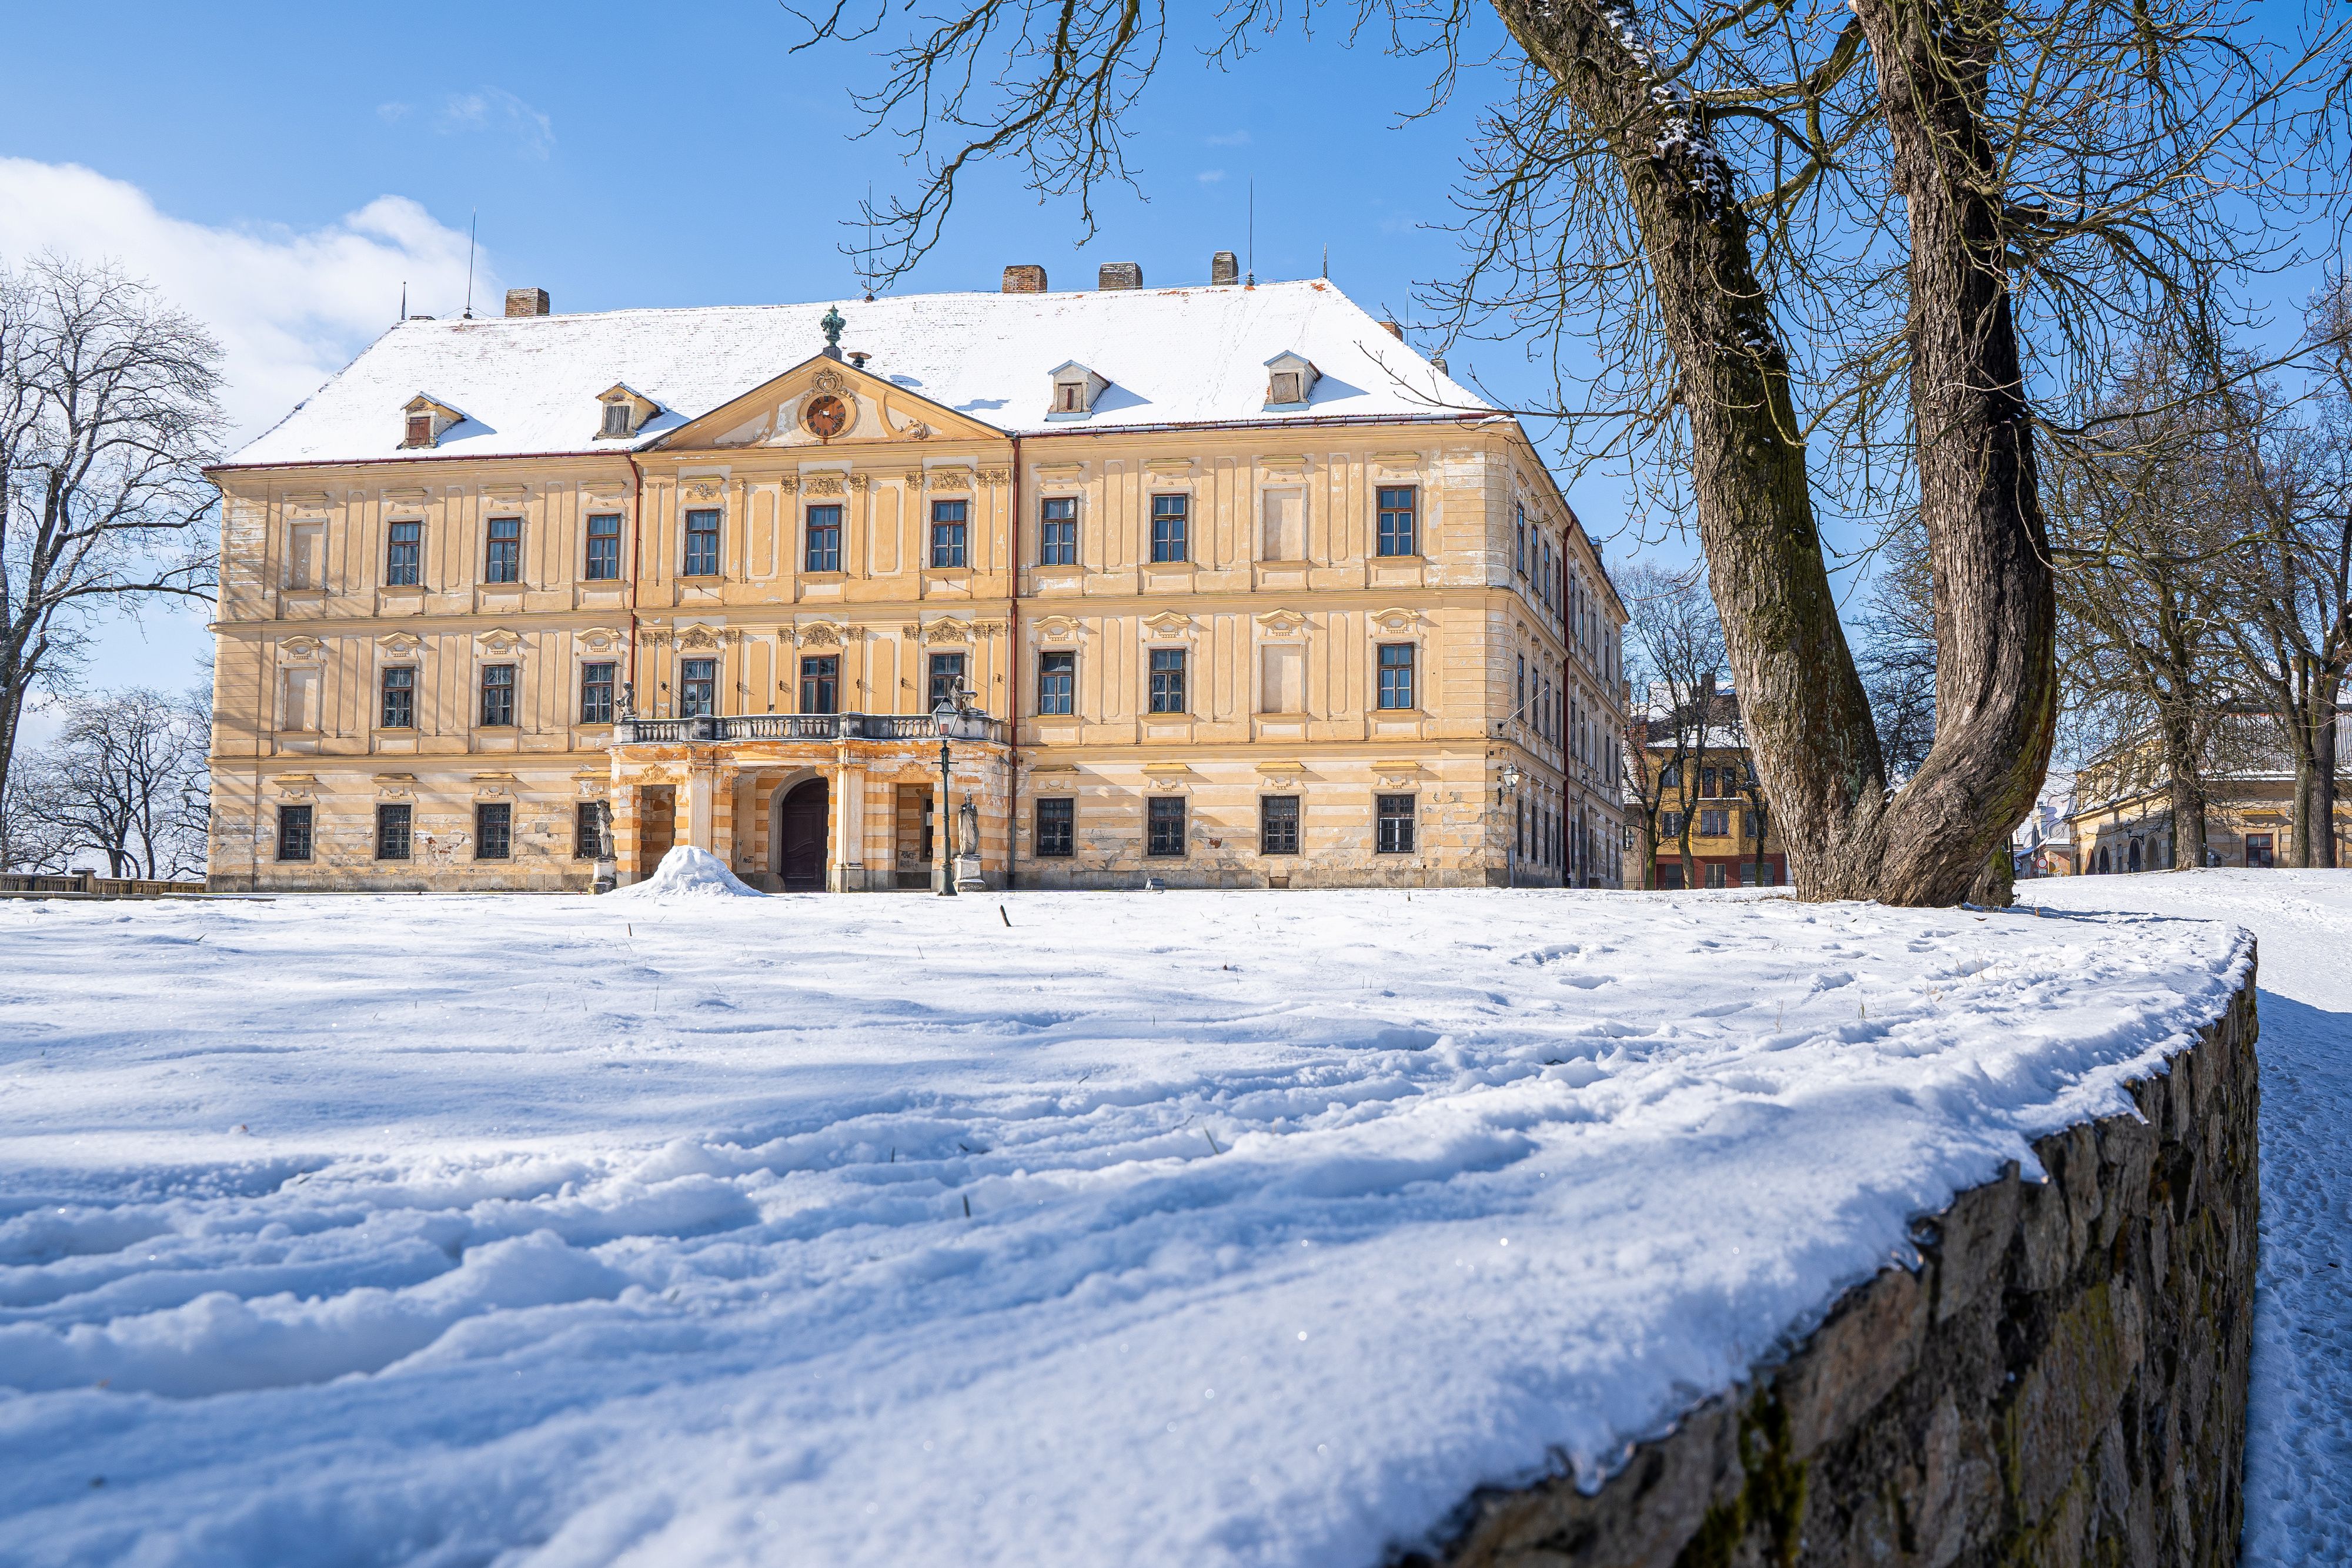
827,417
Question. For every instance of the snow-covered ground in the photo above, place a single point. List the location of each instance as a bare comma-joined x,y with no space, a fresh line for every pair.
1058,1228
2299,1445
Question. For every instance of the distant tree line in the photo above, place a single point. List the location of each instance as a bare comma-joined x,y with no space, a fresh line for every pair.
124,783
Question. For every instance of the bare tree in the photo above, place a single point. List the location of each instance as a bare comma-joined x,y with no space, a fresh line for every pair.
1674,658
30,838
1897,659
108,409
1819,246
127,778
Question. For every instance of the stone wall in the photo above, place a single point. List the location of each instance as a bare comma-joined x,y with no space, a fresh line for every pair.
2062,1381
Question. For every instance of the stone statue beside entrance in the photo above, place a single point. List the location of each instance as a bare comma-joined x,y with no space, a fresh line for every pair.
967,861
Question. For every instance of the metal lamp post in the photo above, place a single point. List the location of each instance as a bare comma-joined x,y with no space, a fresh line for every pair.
1509,780
956,717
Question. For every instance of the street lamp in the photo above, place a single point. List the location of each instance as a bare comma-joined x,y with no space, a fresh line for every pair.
954,718
1509,780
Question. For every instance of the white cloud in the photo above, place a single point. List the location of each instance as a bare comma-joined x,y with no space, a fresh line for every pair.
393,113
492,109
290,307
1230,139
1210,177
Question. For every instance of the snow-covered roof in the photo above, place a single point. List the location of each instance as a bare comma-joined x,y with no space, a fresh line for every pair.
1172,355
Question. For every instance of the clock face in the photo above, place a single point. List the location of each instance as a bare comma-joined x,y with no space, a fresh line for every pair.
827,417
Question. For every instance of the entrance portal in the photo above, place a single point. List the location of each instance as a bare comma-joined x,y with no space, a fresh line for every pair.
800,837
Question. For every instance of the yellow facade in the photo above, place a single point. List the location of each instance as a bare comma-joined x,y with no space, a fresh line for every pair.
1275,616
1714,792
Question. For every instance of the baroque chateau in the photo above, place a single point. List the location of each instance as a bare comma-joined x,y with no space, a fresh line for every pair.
1221,586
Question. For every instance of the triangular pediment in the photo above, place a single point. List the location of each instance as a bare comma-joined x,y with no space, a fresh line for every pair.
824,402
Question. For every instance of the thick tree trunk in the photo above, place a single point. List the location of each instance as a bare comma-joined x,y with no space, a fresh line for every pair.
1808,718
2185,787
2323,784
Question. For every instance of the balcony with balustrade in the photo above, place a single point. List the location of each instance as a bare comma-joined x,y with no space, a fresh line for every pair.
721,729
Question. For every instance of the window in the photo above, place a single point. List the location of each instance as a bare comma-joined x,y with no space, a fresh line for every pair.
1165,817
2259,852
392,834
1756,823
946,677
1057,829
1058,544
493,830
948,533
503,560
1397,534
1392,825
702,543
403,549
1396,676
1706,783
698,686
604,547
305,549
616,419
596,692
821,683
1670,776
1277,824
587,829
1285,387
1519,553
824,549
1057,680
1069,397
1715,822
1670,825
498,696
294,832
420,429
1167,680
398,710
1519,700
1170,528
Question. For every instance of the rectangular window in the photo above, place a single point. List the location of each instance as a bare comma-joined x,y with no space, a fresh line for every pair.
948,533
403,554
1708,779
1520,549
294,832
1165,817
305,549
493,830
821,683
823,550
399,706
604,547
698,687
498,696
420,429
1715,822
1171,527
503,561
596,693
2259,852
1397,532
1167,680
1277,824
1396,676
587,829
1057,829
1670,776
1058,524
1058,683
1393,821
1670,825
947,672
393,823
702,543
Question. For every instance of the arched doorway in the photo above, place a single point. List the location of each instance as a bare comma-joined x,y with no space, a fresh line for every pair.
800,837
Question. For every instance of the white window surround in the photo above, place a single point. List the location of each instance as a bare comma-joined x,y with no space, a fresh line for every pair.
1073,391
1291,381
635,409
426,416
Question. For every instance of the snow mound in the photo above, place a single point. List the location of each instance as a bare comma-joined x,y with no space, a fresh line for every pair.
689,872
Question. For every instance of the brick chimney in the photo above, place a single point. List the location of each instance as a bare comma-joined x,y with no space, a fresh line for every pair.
1393,330
1224,267
527,302
1025,279
1120,275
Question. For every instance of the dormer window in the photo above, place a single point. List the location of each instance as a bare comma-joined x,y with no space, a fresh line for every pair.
1291,381
1074,391
625,411
423,421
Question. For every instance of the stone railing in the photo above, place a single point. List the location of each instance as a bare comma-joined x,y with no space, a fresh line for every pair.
2062,1381
89,884
826,727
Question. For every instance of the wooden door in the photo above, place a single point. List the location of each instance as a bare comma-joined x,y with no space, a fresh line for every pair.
801,837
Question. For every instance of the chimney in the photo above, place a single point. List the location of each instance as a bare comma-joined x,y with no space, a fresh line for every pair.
1439,360
1119,274
526,301
1028,279
1224,269
1393,330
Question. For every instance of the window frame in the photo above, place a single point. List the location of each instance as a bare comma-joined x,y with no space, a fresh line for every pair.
613,426
504,685
933,669
695,530
298,841
1158,842
707,680
1057,688
387,812
1168,673
1392,680
820,687
417,437
502,552
1715,822
1171,528
406,689
1397,524
583,822
950,550
1394,828
404,559
601,711
589,559
820,537
1049,523
502,812
1058,830
1278,824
